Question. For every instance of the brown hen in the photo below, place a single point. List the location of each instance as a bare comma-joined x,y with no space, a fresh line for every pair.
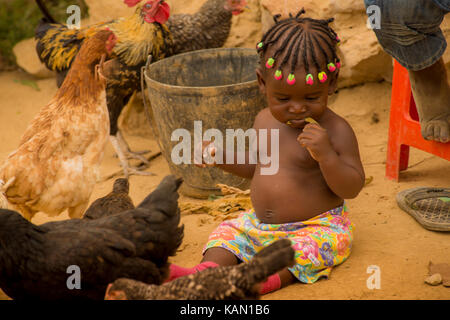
57,162
208,28
138,36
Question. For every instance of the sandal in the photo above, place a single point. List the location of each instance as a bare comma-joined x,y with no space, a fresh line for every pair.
429,206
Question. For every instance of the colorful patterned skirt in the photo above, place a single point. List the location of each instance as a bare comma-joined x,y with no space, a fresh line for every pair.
320,243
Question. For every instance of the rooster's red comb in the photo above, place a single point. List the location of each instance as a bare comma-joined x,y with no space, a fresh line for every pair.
131,3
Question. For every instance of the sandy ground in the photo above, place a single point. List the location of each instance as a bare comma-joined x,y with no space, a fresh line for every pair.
385,236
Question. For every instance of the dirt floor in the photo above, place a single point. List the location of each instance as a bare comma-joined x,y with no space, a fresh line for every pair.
385,236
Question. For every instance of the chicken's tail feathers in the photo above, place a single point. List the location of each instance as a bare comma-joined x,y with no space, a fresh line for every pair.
47,16
128,289
176,240
57,45
271,259
4,204
161,212
165,197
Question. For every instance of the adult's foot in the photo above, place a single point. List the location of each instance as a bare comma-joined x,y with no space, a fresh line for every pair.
431,93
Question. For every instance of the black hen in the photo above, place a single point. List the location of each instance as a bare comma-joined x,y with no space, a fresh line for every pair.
115,202
136,244
221,283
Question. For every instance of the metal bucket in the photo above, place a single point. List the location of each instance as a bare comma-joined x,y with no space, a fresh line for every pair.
216,86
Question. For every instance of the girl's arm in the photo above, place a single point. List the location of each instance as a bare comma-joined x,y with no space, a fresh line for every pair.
340,162
245,170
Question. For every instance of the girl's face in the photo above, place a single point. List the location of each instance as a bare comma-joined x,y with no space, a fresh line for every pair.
291,104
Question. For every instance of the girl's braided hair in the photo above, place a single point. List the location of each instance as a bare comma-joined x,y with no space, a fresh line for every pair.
296,36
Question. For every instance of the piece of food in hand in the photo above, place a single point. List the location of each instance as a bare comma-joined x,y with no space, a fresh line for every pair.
311,120
303,145
209,154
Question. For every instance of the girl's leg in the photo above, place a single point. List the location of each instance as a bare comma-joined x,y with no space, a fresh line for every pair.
224,257
286,278
277,281
213,257
220,256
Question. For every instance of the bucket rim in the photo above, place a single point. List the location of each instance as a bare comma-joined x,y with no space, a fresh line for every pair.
213,90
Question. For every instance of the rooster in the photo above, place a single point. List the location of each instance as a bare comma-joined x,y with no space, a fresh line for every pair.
135,244
138,36
207,28
57,162
237,282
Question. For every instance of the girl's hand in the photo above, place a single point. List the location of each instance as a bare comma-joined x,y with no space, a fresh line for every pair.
315,139
208,155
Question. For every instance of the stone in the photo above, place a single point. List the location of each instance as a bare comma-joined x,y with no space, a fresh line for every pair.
434,280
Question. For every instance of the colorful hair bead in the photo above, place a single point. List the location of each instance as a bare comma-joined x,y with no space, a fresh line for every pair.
270,62
338,64
259,45
309,79
322,76
278,75
331,67
291,79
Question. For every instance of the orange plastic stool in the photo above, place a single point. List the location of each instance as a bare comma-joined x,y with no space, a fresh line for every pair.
404,127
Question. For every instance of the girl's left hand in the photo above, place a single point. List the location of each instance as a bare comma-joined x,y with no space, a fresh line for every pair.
315,139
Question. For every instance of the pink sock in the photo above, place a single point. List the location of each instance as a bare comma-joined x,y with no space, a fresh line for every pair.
273,283
177,271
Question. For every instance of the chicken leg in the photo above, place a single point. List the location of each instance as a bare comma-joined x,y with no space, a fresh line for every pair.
137,155
127,169
118,96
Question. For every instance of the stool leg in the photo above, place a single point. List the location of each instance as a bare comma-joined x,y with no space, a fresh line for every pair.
394,156
404,157
397,160
401,101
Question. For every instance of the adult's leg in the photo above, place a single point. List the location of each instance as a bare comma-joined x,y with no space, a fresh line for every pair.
410,32
431,92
